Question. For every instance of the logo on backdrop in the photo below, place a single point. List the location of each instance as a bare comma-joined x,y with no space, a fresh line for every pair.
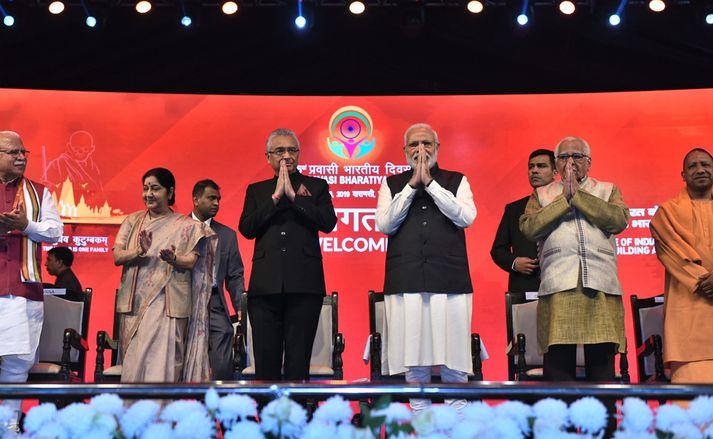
350,133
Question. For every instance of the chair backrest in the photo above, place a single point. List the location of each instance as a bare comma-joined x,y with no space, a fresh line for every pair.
376,312
327,329
60,314
521,318
648,321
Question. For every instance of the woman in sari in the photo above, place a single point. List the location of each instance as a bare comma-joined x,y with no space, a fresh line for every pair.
165,287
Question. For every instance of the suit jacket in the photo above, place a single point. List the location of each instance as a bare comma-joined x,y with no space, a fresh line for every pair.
510,243
287,256
230,268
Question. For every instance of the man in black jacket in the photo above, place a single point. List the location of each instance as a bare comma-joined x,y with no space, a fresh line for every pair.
511,251
284,215
228,271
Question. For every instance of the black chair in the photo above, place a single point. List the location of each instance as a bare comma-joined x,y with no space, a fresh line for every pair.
326,362
377,343
648,328
524,361
112,374
63,344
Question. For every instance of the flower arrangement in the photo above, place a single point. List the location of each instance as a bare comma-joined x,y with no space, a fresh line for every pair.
236,416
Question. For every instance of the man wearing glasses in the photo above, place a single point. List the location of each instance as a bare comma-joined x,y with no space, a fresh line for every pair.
284,215
427,289
29,216
575,220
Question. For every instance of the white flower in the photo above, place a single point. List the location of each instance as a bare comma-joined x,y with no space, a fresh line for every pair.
212,399
348,431
668,415
588,414
39,416
445,418
478,412
104,422
502,428
466,430
158,430
283,417
423,423
178,410
634,435
195,425
334,410
319,430
6,414
96,434
235,407
551,412
518,412
434,435
636,415
107,403
686,430
52,429
137,417
700,410
244,430
76,418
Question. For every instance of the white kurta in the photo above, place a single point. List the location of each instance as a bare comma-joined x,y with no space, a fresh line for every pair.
426,329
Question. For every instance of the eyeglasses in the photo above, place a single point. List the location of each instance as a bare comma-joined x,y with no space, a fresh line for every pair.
575,156
415,143
282,151
16,152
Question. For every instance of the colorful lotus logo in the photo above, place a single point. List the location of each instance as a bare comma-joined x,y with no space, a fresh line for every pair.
350,130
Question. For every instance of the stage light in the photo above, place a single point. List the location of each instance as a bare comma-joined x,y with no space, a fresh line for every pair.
300,22
657,5
475,6
56,7
143,6
8,20
709,18
522,19
567,7
91,21
229,8
186,21
357,7
614,19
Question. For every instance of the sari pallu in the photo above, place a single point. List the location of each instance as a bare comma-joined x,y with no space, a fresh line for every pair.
164,310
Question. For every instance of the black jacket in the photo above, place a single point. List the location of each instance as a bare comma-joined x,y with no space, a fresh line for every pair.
287,256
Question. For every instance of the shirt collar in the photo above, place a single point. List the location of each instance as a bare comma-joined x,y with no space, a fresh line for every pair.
206,222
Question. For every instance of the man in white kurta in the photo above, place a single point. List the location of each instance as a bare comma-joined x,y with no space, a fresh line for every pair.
28,216
427,288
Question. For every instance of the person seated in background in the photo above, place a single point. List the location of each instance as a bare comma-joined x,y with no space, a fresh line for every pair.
59,264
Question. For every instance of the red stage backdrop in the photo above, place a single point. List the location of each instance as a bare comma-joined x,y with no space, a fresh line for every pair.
92,148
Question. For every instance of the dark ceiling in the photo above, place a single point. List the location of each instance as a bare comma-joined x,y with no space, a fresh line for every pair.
385,51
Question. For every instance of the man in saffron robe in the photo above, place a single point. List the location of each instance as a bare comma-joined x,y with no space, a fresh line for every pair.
683,229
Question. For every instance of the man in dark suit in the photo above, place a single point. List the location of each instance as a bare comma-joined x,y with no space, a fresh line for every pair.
59,264
228,271
284,215
511,251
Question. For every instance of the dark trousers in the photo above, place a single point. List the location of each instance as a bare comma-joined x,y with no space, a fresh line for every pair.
283,323
220,339
560,364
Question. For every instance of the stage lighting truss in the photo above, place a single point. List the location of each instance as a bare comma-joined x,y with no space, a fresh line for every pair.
158,5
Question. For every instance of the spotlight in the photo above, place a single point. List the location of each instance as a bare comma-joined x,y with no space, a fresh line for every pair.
91,21
657,5
475,6
614,19
522,19
8,20
300,22
357,7
56,7
143,6
709,18
567,7
229,8
186,21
